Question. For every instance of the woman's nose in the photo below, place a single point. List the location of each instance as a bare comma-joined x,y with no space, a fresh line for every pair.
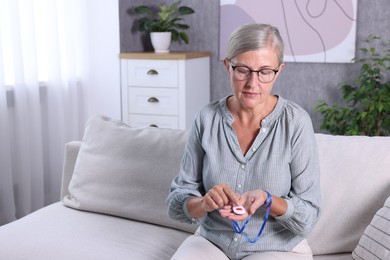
253,79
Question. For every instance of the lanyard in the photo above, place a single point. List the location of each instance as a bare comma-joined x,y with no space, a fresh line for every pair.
239,230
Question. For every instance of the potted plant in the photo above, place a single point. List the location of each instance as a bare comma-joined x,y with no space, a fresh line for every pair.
367,110
167,21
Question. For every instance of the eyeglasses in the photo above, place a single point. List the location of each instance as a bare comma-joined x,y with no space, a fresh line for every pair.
243,73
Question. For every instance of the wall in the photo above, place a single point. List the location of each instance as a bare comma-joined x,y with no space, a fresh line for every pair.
304,83
103,82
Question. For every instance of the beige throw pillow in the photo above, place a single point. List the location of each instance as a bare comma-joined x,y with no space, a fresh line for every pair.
126,172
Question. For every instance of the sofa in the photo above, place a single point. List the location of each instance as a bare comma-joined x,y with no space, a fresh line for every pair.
116,180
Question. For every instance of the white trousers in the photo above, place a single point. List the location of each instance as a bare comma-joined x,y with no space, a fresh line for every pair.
196,247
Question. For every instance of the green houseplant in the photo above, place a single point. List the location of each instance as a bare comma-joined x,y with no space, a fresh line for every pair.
165,19
367,99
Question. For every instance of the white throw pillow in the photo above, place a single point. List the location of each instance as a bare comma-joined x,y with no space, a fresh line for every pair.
354,174
375,242
126,172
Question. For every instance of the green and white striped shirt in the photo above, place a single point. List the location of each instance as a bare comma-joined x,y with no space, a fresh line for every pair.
283,160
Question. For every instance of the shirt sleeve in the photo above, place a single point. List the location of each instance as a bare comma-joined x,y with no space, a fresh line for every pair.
188,182
304,198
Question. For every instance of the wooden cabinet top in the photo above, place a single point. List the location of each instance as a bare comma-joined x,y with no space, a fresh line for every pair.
165,56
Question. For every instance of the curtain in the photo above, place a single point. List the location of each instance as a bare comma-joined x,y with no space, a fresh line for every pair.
43,59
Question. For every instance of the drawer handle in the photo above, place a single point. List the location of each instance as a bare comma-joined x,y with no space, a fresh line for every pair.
152,72
153,100
153,125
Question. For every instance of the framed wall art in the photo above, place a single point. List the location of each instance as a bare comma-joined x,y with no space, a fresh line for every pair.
313,31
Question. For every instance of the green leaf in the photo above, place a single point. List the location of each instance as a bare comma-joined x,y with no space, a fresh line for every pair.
173,7
184,10
143,10
184,37
182,26
175,35
380,107
143,25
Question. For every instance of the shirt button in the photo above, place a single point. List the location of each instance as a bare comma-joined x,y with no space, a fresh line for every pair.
253,149
235,239
242,166
193,219
264,130
239,186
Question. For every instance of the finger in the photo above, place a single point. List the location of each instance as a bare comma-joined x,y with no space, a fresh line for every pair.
230,195
242,199
215,196
222,194
255,205
236,217
225,212
210,203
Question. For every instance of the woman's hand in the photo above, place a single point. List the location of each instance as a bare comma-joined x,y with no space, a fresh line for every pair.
218,197
251,201
227,212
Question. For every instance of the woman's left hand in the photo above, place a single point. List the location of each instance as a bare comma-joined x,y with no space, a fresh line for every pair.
251,200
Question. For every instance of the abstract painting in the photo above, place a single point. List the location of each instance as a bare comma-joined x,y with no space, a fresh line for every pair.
313,30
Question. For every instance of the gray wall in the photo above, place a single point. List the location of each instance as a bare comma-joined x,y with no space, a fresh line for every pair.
304,83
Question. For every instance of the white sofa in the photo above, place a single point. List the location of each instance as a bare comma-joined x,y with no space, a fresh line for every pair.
116,180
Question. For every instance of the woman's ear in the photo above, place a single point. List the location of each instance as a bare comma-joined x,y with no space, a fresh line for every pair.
280,70
227,65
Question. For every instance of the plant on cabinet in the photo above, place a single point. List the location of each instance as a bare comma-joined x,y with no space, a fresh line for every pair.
167,23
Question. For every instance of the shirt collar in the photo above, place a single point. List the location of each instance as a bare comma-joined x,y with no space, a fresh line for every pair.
267,121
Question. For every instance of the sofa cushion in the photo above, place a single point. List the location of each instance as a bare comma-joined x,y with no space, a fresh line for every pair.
375,242
62,233
126,172
355,182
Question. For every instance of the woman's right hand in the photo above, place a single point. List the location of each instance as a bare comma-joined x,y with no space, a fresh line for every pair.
218,197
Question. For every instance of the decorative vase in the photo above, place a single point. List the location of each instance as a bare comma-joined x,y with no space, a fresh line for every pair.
160,41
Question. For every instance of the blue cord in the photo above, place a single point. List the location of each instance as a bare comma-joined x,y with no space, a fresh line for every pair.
239,230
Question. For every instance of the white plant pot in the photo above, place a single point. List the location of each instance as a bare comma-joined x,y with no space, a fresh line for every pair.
161,41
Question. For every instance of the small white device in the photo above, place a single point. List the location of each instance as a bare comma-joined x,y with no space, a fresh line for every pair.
239,210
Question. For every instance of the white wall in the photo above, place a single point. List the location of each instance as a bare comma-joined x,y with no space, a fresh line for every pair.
103,91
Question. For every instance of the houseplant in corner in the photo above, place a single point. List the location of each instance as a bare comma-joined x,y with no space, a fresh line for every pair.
367,110
166,22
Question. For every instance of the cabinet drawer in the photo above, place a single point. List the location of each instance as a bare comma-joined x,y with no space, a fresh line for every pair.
154,121
153,73
153,101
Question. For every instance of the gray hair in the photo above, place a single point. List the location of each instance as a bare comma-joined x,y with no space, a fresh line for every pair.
251,37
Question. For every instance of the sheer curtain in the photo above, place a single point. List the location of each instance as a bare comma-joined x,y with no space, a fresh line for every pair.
42,71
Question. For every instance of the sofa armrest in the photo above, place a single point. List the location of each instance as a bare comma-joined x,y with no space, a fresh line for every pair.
71,151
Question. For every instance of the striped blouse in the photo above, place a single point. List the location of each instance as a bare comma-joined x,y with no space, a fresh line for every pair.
283,160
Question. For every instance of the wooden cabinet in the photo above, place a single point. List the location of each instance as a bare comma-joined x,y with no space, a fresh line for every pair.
164,90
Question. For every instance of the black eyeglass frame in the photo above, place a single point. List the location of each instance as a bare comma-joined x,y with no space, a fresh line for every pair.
257,72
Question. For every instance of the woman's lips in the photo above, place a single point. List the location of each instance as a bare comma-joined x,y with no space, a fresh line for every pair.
250,94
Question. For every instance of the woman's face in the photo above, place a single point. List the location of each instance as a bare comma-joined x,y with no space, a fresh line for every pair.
251,91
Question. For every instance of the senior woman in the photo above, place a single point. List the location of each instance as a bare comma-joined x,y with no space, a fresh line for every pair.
254,151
